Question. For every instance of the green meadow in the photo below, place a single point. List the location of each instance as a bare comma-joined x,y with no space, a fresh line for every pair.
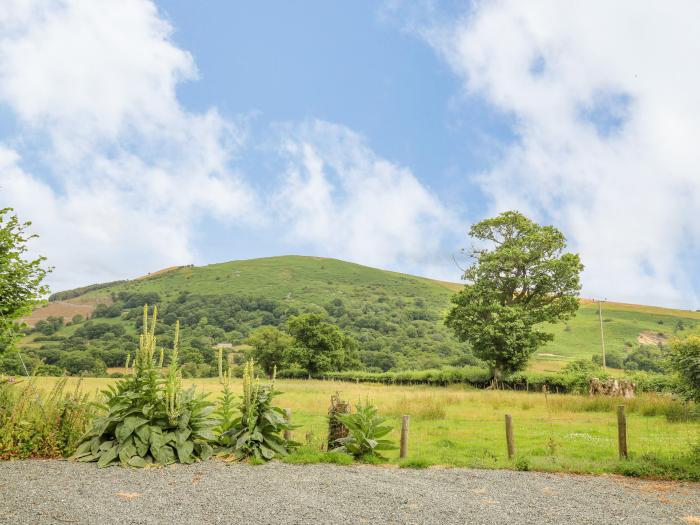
457,426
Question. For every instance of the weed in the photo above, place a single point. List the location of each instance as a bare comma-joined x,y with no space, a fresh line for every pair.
308,455
523,464
414,463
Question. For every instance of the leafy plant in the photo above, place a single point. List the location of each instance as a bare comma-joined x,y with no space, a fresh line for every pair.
366,428
226,407
38,424
256,432
149,417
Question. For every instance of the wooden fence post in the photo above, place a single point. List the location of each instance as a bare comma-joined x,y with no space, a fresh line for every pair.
288,417
622,431
510,441
404,437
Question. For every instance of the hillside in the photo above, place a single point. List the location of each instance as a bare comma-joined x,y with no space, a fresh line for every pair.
396,318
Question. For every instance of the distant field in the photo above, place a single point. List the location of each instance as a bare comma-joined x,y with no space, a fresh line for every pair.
459,426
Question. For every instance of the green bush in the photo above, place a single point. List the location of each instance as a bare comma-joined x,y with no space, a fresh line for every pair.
148,417
366,429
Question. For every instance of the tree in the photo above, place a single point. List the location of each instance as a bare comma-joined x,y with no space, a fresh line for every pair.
20,277
685,360
270,347
320,346
520,277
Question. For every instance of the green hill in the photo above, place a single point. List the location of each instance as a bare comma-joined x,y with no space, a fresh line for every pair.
396,318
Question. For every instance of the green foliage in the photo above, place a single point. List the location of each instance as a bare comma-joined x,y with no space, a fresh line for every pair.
49,326
270,347
20,278
522,464
681,467
320,346
685,360
582,366
226,407
308,455
613,359
439,377
366,430
256,432
524,280
645,358
148,417
38,425
416,463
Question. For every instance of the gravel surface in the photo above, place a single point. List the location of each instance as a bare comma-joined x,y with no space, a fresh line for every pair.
214,492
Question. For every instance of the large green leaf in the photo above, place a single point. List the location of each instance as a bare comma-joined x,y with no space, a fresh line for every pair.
137,461
107,457
184,451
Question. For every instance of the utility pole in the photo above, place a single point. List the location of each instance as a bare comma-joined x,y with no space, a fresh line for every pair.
602,335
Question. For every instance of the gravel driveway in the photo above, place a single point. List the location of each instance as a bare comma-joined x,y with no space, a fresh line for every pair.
215,492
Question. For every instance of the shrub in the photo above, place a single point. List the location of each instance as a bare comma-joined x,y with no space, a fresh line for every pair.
522,464
581,366
366,428
149,417
685,360
256,432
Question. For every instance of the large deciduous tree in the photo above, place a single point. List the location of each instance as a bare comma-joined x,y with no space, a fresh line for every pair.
520,277
270,347
320,346
20,277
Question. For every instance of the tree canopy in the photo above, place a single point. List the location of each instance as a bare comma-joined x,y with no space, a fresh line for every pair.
520,277
20,277
320,346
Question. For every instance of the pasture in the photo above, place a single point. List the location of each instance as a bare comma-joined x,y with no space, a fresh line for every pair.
458,426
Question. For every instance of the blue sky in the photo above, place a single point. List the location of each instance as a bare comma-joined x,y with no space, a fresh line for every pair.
350,64
142,134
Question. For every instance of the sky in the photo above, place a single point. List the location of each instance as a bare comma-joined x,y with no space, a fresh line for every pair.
140,134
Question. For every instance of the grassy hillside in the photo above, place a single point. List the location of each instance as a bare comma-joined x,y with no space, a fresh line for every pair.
396,318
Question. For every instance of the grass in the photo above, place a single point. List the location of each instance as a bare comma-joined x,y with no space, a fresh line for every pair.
456,426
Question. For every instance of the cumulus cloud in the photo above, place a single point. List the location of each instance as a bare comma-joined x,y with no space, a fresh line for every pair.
120,170
603,100
340,197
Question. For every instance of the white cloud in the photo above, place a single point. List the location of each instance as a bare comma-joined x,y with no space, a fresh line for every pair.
341,198
604,100
128,170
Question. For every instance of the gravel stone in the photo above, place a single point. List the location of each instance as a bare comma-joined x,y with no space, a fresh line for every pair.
56,492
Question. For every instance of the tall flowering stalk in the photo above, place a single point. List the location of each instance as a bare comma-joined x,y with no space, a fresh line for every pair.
256,432
148,417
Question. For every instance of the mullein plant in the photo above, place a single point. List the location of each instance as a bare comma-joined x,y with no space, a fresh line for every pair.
147,417
226,409
257,431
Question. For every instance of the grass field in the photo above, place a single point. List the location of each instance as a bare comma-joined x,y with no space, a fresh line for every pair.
461,427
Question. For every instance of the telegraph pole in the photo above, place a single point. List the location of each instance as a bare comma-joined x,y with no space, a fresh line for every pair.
602,335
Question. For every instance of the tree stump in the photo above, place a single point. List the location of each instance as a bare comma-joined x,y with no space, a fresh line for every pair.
336,429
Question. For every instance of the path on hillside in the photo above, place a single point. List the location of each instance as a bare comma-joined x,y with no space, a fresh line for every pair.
43,492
